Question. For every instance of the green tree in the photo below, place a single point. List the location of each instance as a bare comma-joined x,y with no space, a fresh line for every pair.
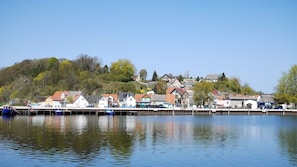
155,76
234,85
247,90
286,91
160,87
222,77
143,74
202,92
123,70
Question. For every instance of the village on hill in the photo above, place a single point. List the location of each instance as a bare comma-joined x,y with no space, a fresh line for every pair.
85,82
178,95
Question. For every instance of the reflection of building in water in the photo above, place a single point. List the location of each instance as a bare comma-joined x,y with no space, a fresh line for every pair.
76,124
179,131
79,123
38,120
105,122
126,123
130,123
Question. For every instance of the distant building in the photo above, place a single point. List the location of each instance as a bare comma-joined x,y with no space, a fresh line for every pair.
211,78
67,99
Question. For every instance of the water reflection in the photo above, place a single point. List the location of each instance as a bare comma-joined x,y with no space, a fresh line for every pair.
129,140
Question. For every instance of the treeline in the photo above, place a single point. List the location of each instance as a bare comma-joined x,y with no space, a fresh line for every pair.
37,79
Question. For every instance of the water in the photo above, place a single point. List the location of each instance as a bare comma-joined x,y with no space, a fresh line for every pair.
148,141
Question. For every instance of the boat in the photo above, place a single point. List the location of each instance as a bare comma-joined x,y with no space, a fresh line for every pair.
109,112
59,112
8,110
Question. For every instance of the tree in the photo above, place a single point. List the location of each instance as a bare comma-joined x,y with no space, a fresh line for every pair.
123,70
143,74
155,76
247,90
180,78
202,92
199,78
286,91
160,87
86,62
234,85
222,77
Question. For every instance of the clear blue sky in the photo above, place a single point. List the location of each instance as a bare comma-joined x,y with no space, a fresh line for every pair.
254,40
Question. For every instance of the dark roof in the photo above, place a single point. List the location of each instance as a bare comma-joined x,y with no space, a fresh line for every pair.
123,95
267,98
93,99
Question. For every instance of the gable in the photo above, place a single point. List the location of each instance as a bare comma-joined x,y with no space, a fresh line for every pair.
123,95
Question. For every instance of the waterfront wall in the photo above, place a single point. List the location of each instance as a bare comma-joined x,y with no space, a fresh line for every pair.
148,111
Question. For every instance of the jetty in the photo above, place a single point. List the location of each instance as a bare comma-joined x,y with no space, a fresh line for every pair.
23,110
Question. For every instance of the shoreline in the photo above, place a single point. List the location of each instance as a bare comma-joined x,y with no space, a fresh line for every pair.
23,110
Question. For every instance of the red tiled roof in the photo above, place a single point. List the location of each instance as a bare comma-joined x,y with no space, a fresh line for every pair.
114,96
138,97
57,95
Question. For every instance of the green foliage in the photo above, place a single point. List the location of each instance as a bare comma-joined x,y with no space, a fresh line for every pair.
123,70
160,87
155,76
36,79
202,92
286,91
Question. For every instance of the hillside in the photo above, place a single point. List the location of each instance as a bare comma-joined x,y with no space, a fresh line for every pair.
36,79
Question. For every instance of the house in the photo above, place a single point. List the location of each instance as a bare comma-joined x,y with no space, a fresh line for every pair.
158,99
174,83
244,101
93,101
143,100
67,99
167,77
189,83
181,96
220,99
211,78
266,101
108,100
126,99
103,102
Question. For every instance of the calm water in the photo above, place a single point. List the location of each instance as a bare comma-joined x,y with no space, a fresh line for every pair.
148,141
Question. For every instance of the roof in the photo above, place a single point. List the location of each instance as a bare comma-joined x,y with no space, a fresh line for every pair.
114,96
58,95
212,77
267,98
189,82
139,97
172,90
243,97
93,99
123,95
158,98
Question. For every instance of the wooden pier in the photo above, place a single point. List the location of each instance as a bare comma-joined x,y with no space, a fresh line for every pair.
147,111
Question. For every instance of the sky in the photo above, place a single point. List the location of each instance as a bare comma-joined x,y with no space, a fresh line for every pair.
253,40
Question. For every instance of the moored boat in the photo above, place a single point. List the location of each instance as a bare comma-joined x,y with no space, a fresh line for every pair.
109,112
59,112
8,110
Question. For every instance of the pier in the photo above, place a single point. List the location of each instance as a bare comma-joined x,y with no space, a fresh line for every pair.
23,110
